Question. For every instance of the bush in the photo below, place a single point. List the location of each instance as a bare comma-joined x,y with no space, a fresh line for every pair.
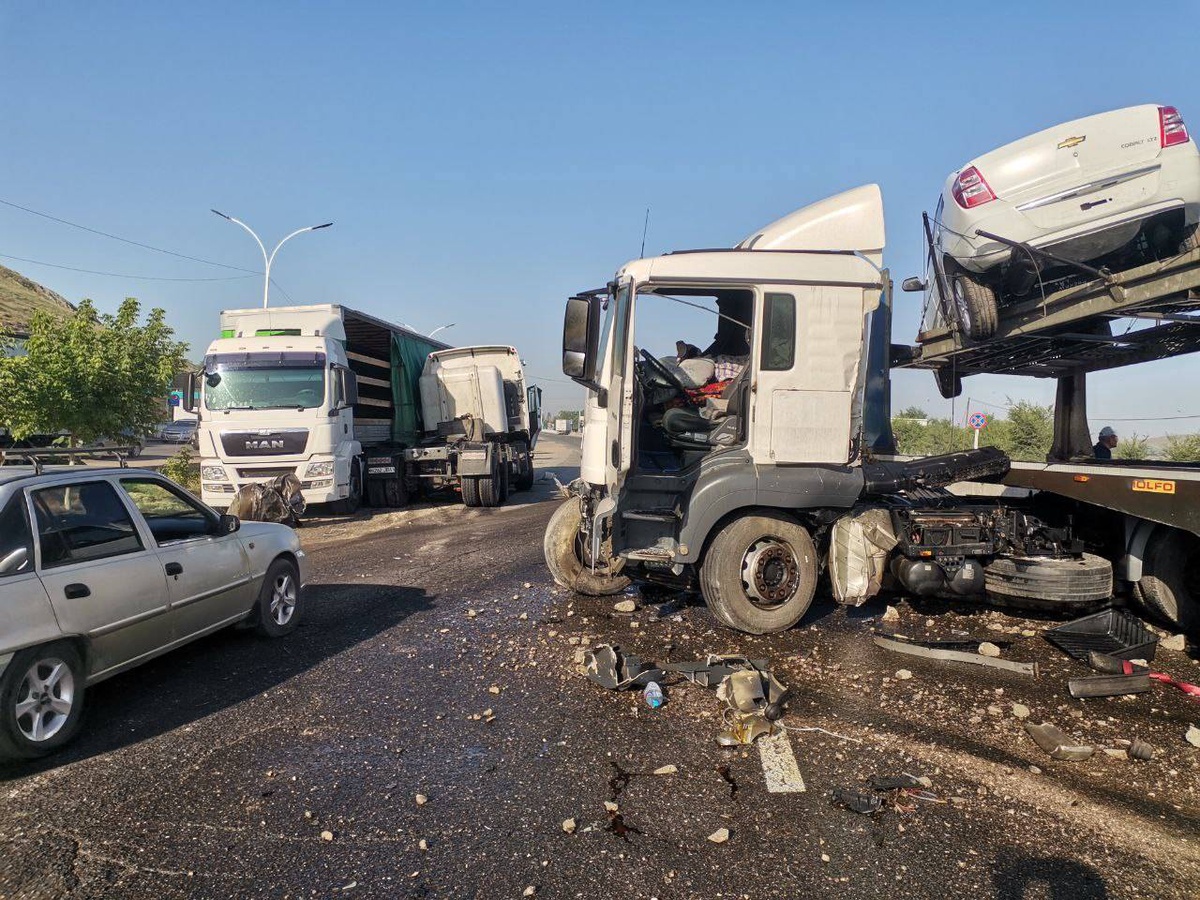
183,470
1183,448
1133,447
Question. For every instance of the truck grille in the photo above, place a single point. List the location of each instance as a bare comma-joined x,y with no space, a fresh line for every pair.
266,472
265,442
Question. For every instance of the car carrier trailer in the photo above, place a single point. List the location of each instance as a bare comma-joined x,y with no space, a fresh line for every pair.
792,475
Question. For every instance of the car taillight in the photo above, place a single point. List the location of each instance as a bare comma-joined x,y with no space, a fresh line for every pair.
1171,130
970,189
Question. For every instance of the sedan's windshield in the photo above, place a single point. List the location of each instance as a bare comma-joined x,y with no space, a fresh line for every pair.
266,381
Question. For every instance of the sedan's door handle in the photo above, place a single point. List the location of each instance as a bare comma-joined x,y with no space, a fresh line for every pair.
77,591
174,568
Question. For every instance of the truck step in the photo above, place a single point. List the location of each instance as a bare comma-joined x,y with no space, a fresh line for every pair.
651,515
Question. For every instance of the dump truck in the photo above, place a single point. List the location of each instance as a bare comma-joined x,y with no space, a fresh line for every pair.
481,423
311,391
783,469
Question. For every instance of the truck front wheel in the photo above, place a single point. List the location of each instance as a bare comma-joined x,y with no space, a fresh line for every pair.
567,556
760,573
1170,584
349,505
525,478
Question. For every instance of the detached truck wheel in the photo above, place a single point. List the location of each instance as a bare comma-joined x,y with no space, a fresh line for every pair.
1170,583
565,553
1054,584
760,573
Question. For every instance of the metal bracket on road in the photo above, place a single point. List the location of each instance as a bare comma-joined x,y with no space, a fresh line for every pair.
974,659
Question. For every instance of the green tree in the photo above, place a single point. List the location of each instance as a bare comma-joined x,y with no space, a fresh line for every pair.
1183,447
1133,447
1030,431
92,375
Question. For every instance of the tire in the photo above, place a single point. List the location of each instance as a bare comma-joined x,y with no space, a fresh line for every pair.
376,493
949,382
505,481
562,546
1191,239
525,478
1053,584
470,490
974,303
1170,583
760,573
491,487
280,603
56,718
350,504
395,493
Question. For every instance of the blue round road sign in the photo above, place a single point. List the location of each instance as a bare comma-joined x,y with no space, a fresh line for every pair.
977,420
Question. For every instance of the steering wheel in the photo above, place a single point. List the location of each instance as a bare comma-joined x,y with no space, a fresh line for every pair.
664,374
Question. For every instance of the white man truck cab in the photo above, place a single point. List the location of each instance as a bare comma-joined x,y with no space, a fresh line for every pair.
748,468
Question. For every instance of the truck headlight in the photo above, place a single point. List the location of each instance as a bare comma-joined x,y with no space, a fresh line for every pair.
213,473
318,469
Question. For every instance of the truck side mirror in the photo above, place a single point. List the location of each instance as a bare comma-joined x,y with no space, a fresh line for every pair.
188,401
349,386
581,340
912,284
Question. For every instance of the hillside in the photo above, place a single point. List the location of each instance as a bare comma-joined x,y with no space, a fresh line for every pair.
20,298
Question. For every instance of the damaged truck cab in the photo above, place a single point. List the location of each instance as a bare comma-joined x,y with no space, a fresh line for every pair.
750,485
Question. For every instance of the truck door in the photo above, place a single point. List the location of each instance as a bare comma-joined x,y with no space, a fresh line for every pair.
807,358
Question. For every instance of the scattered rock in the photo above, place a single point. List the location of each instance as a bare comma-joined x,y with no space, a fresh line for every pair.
625,606
1034,770
666,770
529,891
995,626
1116,752
527,585
471,613
987,648
421,799
1174,642
720,836
994,710
569,825
1028,632
1193,736
516,596
423,844
327,835
903,675
493,689
524,617
824,857
611,807
891,614
1020,710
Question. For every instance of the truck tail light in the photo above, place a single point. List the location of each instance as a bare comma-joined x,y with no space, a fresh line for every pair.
970,189
1171,130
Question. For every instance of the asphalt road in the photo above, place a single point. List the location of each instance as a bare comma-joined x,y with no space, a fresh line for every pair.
223,769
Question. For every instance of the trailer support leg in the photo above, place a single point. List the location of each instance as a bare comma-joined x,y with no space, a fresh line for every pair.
1072,436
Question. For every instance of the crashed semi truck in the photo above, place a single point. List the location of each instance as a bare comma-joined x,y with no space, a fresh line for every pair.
481,422
780,470
326,393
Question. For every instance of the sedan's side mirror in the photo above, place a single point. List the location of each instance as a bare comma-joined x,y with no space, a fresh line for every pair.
912,284
228,524
15,561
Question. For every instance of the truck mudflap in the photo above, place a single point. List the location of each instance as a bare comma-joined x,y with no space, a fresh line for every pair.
476,458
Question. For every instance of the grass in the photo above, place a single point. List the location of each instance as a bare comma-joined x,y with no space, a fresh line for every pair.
21,297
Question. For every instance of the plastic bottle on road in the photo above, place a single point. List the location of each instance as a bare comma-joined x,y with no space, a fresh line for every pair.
653,695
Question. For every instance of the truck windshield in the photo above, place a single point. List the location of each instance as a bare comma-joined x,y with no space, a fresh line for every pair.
266,381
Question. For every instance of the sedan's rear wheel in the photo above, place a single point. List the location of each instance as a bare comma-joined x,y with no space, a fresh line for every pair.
279,600
975,303
42,701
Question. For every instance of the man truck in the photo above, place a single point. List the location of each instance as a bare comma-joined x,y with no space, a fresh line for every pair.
783,468
315,392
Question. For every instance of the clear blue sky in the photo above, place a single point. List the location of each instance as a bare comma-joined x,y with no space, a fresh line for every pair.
483,161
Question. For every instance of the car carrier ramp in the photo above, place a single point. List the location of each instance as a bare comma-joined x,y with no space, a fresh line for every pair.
1071,331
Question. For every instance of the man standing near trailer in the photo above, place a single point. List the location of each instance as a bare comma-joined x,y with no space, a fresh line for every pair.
1104,446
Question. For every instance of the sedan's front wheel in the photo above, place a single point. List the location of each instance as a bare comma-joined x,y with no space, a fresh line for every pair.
41,701
279,602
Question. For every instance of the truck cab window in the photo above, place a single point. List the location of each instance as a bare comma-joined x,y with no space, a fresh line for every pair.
779,333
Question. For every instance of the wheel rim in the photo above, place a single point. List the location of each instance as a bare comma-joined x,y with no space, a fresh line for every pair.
960,303
770,573
45,699
283,599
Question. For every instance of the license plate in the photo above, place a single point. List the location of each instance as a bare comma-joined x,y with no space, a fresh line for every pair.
383,470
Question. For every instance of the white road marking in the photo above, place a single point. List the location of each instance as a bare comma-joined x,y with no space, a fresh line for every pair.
779,764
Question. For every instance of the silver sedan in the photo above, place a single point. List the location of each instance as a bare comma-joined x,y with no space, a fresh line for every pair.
105,569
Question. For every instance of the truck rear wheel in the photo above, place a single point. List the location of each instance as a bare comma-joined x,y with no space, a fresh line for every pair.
567,556
1042,583
505,476
1170,583
376,493
395,493
760,573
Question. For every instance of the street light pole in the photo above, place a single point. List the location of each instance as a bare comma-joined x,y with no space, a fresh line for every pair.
441,328
267,260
